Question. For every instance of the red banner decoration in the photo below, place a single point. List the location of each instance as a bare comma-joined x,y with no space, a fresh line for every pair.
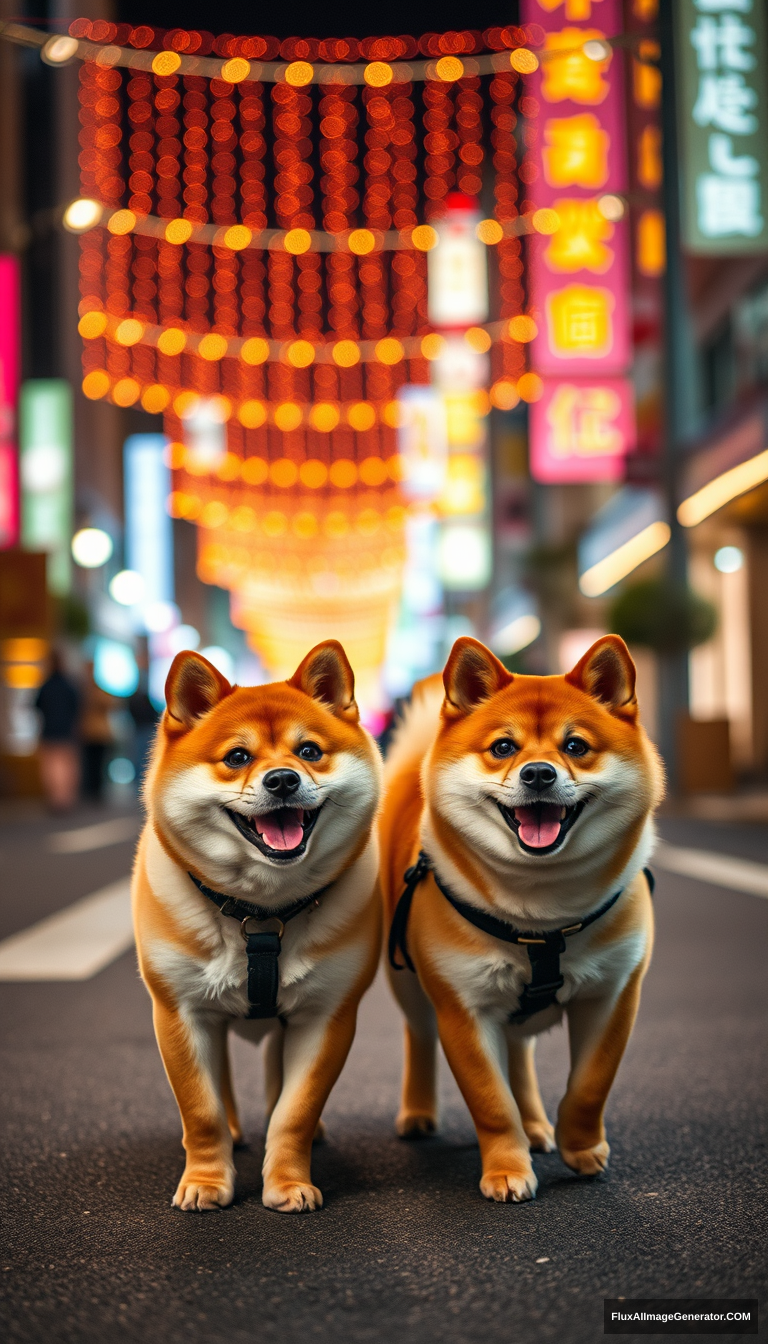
582,430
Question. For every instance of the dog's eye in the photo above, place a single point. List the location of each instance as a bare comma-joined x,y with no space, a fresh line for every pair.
503,746
237,757
309,751
576,746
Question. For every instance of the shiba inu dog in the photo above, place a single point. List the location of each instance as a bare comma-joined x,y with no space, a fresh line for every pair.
260,805
531,799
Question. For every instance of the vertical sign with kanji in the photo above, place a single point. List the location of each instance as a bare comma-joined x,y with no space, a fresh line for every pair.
579,258
721,60
9,392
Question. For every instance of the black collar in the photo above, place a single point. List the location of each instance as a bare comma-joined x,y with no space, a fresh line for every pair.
232,905
262,946
544,949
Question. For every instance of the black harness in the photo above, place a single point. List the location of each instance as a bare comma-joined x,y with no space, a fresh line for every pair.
544,949
262,946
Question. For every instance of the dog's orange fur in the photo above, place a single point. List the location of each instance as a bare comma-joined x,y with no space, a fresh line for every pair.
442,784
191,956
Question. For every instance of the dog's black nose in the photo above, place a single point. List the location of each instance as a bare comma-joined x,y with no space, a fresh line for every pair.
538,775
281,782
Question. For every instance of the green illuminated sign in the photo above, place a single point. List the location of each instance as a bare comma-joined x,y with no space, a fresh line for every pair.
45,462
721,60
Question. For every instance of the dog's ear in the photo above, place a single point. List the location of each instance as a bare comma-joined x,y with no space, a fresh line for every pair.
607,673
194,687
326,676
472,674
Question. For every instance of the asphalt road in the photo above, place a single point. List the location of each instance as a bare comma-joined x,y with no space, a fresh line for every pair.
406,1250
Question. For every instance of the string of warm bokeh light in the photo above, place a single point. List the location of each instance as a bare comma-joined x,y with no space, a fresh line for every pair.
258,255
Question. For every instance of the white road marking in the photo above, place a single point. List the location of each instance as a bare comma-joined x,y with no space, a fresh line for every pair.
98,836
720,869
74,944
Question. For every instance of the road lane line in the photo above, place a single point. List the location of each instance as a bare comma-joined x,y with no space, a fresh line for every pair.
722,870
98,836
74,944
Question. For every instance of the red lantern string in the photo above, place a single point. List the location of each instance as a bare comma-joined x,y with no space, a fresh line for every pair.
281,295
223,162
378,189
338,150
469,107
310,302
253,148
342,295
439,142
403,152
168,150
502,90
195,149
292,147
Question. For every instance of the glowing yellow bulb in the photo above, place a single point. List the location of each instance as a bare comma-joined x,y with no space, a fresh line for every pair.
524,61
378,74
504,395
297,241
185,404
324,416
346,353
361,242
219,408
92,325
373,471
214,514
126,392
166,63
59,50
343,473
288,416
275,523
424,237
523,329
123,221
212,346
530,387
299,73
155,398
82,215
449,68
178,231
313,473
237,237
254,470
361,416
300,354
305,524
96,385
432,345
489,231
255,350
252,414
546,221
129,331
389,350
478,339
171,341
236,70
390,414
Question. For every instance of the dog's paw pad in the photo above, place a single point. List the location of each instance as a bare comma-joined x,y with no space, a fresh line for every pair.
415,1125
292,1197
509,1187
587,1161
541,1136
202,1195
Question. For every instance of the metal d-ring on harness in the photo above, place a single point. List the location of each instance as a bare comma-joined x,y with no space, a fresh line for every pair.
544,949
262,946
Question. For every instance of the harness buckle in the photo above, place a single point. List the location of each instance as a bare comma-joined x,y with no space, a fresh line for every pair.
264,927
572,928
535,942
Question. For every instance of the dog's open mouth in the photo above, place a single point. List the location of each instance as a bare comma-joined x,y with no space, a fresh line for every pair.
281,834
541,827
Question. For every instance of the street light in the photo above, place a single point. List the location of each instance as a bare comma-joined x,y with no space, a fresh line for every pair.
82,215
127,587
91,547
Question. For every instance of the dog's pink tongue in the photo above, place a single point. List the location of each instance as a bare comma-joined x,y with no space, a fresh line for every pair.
540,825
283,829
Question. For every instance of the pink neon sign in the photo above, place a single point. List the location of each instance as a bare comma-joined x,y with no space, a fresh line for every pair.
581,430
9,393
580,274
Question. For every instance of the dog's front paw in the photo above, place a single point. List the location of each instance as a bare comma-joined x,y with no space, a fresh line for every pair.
204,1190
291,1197
415,1124
509,1187
586,1161
541,1136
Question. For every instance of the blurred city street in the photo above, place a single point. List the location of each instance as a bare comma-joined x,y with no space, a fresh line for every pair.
405,1247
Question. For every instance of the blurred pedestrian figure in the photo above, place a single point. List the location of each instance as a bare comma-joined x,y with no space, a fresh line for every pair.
95,736
145,717
58,703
